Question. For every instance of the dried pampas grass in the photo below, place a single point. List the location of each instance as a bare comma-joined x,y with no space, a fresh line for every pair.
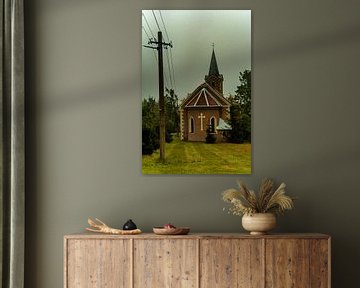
245,201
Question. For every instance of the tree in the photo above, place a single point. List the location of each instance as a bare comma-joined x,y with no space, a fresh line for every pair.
235,133
172,111
150,113
151,121
240,110
150,126
243,92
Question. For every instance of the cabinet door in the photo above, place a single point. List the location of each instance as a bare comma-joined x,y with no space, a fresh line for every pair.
320,263
98,263
231,263
287,263
165,263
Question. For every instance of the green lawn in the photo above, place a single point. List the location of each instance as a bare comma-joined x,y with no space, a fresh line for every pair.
200,158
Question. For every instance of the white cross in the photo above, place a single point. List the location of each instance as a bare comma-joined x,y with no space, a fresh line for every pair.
201,117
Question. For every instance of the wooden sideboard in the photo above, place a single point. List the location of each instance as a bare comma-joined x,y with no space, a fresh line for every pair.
197,261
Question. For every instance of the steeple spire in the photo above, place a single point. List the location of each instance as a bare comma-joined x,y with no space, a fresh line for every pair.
213,70
214,78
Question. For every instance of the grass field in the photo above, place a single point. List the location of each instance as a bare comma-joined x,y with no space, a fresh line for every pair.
200,158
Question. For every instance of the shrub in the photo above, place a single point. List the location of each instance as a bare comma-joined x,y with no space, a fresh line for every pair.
210,137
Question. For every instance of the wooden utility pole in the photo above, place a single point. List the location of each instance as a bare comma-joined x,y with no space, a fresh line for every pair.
160,45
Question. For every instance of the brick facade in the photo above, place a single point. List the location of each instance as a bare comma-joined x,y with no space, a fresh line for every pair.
206,102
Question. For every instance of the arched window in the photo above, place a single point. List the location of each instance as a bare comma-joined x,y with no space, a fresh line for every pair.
191,125
212,124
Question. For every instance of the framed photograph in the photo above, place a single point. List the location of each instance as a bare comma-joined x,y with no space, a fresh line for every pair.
196,92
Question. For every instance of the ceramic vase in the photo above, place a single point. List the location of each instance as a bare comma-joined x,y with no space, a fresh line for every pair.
259,223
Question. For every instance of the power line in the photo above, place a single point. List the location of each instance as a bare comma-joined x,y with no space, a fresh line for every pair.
171,64
146,33
168,62
157,23
156,20
166,81
147,23
162,20
150,40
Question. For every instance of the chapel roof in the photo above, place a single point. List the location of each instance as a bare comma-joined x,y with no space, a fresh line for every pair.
204,96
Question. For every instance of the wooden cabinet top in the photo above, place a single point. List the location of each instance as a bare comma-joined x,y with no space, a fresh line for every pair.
199,236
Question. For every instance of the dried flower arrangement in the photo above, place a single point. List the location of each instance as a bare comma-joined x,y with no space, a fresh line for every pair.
268,200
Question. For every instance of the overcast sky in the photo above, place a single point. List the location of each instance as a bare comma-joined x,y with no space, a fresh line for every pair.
192,33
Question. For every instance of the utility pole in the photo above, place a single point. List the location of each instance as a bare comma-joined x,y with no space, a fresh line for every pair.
160,45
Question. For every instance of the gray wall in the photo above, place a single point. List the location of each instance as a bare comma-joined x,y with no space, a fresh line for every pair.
83,126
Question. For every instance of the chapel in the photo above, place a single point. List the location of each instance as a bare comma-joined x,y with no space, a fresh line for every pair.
205,108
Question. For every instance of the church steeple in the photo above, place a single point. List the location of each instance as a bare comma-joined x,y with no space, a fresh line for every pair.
213,70
214,78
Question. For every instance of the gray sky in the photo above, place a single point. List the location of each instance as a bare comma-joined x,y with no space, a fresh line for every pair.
192,33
